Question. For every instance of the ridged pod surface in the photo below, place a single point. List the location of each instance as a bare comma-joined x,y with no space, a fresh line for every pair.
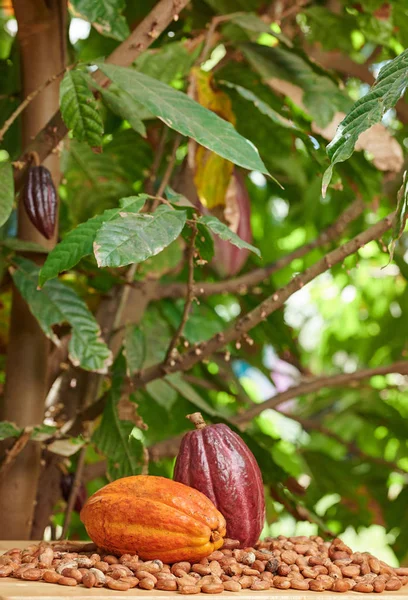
216,461
154,517
40,200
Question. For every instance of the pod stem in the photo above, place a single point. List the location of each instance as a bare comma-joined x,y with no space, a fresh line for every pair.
197,420
33,157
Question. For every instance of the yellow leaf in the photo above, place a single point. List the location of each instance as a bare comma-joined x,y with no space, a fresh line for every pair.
212,174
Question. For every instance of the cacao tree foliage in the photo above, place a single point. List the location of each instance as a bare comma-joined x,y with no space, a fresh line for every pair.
242,134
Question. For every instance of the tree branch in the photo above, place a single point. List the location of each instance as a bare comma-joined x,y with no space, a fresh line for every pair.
124,55
317,383
242,283
74,492
244,324
18,446
189,299
309,425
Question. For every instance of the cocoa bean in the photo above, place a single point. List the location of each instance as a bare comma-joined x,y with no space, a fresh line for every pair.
339,585
167,585
146,583
299,584
212,588
282,583
260,584
232,586
31,574
67,581
190,589
363,587
393,584
316,585
89,580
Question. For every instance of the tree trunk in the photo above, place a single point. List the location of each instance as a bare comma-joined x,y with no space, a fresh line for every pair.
41,35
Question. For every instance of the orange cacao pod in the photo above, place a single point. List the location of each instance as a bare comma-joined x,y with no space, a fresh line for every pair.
153,517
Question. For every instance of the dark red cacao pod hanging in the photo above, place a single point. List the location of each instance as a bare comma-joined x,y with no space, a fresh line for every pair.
216,461
40,200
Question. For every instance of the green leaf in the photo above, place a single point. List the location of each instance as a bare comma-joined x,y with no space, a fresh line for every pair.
56,303
79,109
79,242
390,85
134,238
23,246
321,96
225,233
8,430
204,243
251,22
135,348
162,393
122,104
119,440
187,117
6,191
263,108
105,16
189,393
401,215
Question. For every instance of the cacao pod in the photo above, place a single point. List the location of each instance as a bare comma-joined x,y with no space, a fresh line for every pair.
153,517
66,484
40,200
216,461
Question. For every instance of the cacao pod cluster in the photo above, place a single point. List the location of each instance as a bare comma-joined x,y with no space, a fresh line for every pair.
217,491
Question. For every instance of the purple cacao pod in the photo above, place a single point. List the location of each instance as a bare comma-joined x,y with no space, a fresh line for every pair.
229,259
67,482
216,461
40,200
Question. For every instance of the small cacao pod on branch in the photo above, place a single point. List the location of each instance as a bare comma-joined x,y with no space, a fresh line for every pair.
40,200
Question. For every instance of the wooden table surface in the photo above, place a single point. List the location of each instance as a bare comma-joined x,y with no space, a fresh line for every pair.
15,589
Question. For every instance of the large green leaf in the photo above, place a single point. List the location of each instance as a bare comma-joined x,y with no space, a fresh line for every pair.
133,238
189,118
79,109
55,304
105,16
225,233
390,85
6,191
119,440
79,242
122,104
321,96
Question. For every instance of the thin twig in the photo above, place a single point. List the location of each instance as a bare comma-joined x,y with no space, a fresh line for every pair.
169,170
309,425
8,123
190,295
74,492
157,161
242,283
15,450
238,330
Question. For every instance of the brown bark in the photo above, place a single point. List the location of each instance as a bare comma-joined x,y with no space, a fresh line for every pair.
41,35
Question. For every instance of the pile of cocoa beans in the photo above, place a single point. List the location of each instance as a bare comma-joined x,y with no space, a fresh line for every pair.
296,563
